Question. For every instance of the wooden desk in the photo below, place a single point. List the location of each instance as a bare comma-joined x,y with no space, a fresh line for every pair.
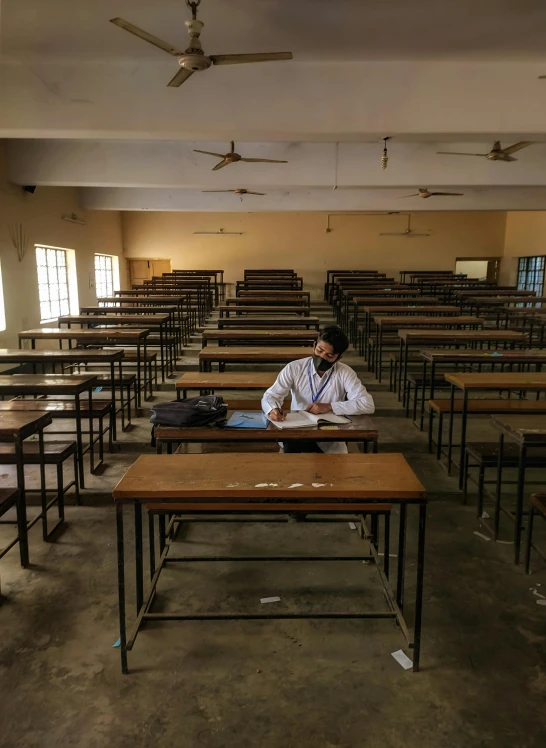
527,432
211,382
48,359
181,302
178,323
414,310
111,336
470,338
14,429
525,359
361,303
248,355
327,484
360,430
467,383
13,385
388,323
159,323
244,321
263,306
261,337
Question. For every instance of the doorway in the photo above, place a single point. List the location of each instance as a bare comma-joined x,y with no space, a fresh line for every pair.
479,268
141,270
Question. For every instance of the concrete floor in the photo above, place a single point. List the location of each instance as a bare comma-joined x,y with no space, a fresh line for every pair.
321,684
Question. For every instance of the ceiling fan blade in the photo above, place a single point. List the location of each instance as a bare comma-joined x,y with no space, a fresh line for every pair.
165,46
456,153
403,196
517,147
248,192
210,153
221,165
454,194
217,190
541,77
263,161
258,57
180,78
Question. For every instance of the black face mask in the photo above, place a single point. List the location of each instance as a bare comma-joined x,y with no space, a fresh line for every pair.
320,364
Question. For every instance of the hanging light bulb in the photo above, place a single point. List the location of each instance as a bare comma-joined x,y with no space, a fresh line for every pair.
385,157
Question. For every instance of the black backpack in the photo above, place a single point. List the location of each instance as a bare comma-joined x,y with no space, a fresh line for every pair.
193,411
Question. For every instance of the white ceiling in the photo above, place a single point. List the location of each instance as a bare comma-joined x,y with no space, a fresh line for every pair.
85,104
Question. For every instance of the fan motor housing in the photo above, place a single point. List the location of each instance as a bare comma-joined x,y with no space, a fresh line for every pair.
195,62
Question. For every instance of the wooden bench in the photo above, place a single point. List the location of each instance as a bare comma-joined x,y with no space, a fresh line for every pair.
67,409
537,506
55,453
483,455
9,498
487,407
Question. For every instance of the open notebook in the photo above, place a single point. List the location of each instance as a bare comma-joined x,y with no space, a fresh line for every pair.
301,419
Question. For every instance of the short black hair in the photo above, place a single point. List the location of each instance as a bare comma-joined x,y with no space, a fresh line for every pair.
335,336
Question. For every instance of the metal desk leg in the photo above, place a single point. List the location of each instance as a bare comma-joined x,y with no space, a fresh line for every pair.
139,568
22,530
113,383
121,403
43,494
423,390
121,590
419,587
91,434
400,356
139,379
463,437
496,519
401,557
519,503
451,420
79,439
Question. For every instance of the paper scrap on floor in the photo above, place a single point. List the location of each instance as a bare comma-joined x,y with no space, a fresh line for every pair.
402,659
270,599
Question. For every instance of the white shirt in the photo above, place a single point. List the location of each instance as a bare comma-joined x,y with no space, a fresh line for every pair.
341,388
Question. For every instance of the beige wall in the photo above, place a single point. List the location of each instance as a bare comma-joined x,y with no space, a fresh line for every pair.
40,215
299,241
525,236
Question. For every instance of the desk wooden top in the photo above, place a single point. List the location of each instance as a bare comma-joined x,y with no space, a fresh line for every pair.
136,320
56,333
273,354
127,310
501,300
144,300
505,380
248,321
35,384
275,294
226,381
525,429
15,424
391,298
307,478
305,336
462,335
73,355
417,321
529,355
492,292
360,428
258,309
412,309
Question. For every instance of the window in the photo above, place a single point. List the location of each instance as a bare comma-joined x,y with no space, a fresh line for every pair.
104,275
531,274
57,284
2,308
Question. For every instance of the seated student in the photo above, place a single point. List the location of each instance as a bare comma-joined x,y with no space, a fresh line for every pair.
319,384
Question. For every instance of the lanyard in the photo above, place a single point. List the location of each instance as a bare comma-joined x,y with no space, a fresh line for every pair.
326,383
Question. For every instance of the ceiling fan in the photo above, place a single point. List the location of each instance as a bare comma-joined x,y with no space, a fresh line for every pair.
240,191
194,59
425,193
496,153
408,232
232,158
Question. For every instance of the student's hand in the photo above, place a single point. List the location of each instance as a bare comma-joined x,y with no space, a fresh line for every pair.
317,408
276,414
